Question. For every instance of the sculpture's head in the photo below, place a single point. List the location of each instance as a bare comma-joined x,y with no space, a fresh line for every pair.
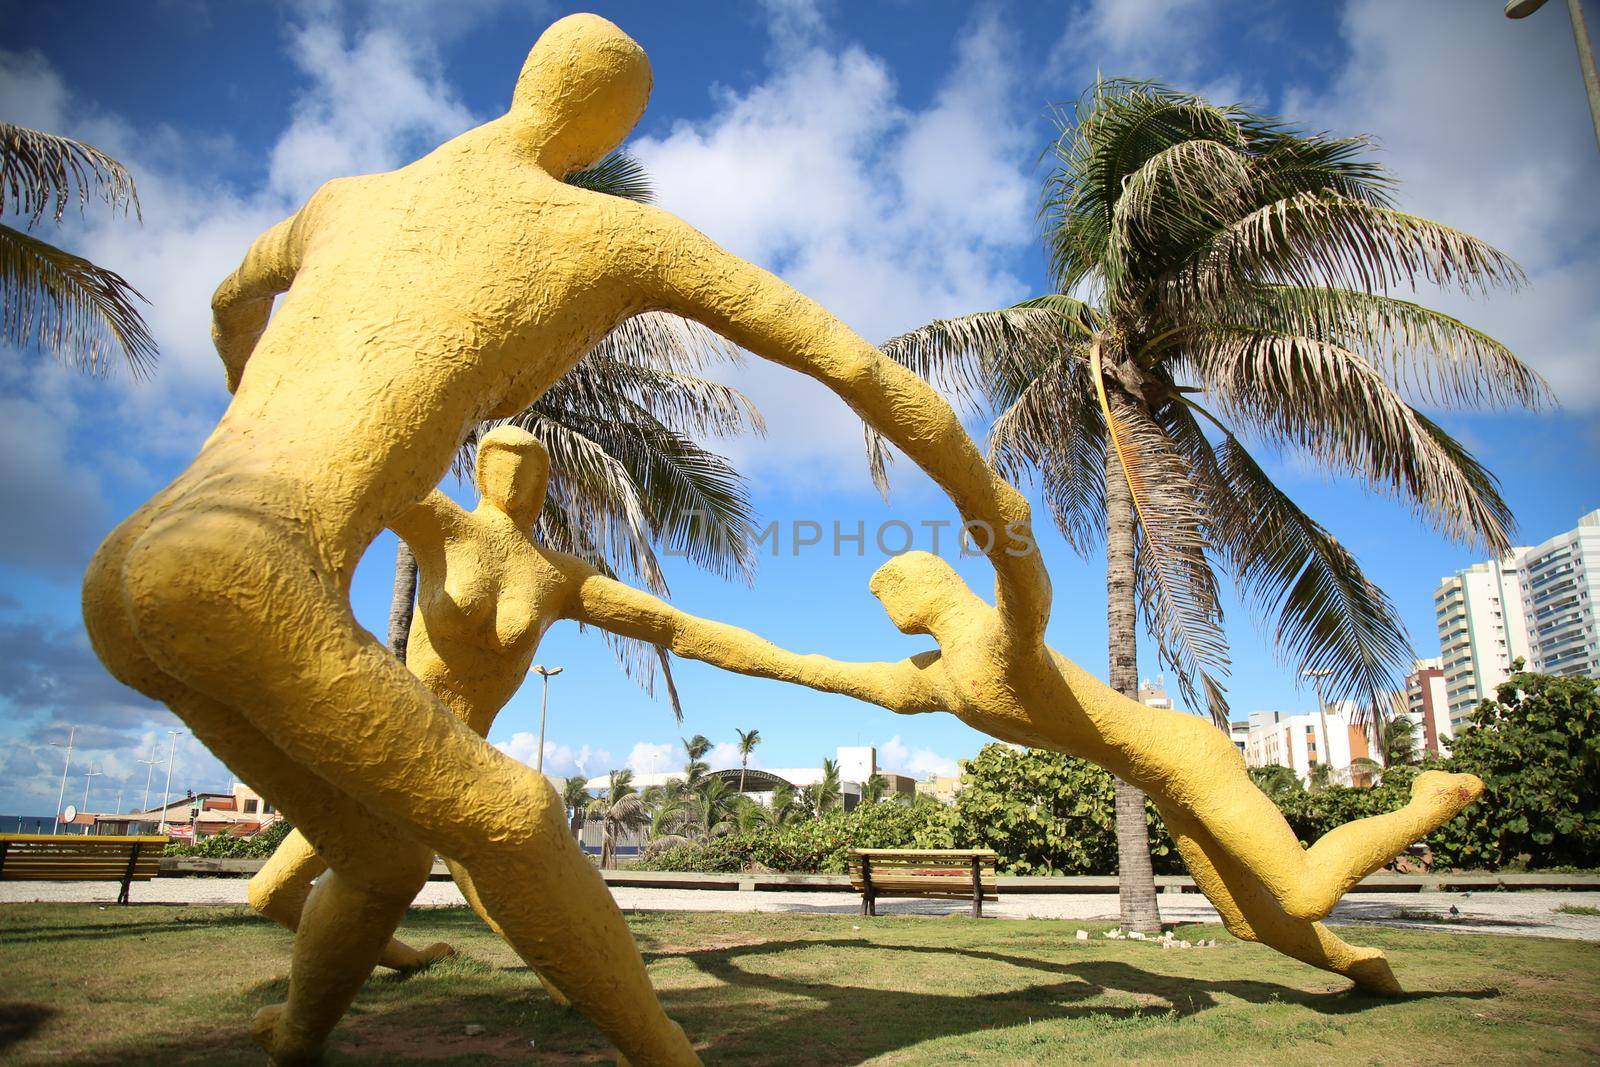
583,88
919,590
513,470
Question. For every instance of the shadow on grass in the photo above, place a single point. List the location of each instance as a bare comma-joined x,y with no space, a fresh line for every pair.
751,1015
117,929
863,1022
20,1020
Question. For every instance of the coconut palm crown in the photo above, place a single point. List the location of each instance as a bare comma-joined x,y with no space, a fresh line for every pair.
1223,277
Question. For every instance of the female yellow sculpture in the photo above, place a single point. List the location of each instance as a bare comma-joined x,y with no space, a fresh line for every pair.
1002,679
418,302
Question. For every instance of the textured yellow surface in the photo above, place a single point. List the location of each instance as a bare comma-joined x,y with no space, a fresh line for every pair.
458,288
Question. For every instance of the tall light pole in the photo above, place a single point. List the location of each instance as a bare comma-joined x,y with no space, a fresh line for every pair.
61,796
1322,712
166,793
1521,9
544,705
149,769
88,777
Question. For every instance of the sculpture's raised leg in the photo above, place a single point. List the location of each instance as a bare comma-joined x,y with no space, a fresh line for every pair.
1251,913
1247,827
280,888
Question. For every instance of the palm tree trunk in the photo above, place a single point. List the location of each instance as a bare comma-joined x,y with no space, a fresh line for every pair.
403,600
1136,880
744,761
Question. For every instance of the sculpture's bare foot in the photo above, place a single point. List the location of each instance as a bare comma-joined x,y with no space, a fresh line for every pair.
266,1030
1442,795
1371,974
414,960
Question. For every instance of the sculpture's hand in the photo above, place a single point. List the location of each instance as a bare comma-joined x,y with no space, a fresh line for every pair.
243,302
907,686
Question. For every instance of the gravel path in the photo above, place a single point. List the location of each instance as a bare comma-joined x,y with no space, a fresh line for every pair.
1524,914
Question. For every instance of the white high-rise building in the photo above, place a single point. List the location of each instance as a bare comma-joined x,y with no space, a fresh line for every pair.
1481,630
1560,583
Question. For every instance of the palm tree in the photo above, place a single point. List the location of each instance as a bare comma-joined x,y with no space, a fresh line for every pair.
748,740
823,796
1319,777
619,811
785,805
575,797
694,772
1276,780
626,469
73,309
1399,743
1222,274
873,789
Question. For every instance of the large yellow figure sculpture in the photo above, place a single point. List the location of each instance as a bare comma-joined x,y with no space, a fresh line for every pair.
418,302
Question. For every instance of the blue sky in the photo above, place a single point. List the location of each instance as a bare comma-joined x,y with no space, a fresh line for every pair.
879,156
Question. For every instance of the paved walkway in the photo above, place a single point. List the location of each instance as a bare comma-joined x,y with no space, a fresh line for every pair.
1526,914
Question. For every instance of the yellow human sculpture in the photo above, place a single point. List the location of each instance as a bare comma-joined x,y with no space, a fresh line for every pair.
994,671
416,303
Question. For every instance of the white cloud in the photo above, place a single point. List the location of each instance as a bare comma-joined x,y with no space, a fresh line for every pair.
559,760
1488,131
646,758
887,215
917,761
726,754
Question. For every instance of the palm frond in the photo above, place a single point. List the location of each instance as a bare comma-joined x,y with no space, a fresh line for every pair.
70,307
1330,617
1053,427
1324,239
42,172
617,174
1426,353
971,357
1330,401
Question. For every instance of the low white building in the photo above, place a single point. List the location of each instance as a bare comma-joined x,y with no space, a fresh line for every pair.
1297,740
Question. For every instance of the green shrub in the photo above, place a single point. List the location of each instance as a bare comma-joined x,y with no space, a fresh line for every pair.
226,846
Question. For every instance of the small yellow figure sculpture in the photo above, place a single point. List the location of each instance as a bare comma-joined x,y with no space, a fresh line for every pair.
486,593
418,302
1002,679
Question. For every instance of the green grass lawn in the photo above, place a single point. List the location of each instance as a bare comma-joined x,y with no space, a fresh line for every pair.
84,984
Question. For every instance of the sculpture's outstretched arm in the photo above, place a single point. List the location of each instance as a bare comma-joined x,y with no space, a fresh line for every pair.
425,525
908,686
243,302
692,276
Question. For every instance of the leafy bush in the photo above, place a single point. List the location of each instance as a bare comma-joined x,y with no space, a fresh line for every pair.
226,846
1537,748
1047,813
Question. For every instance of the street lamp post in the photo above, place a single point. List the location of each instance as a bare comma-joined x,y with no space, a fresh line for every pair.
1322,712
166,793
544,704
149,769
1521,9
61,796
88,777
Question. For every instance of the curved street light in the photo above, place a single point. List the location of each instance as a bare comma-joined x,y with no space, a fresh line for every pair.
1521,9
546,673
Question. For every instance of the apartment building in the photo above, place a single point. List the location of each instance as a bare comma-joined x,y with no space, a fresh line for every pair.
1482,629
1299,741
1427,703
1560,584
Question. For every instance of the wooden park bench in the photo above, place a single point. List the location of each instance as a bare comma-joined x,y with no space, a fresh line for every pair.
80,858
948,873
